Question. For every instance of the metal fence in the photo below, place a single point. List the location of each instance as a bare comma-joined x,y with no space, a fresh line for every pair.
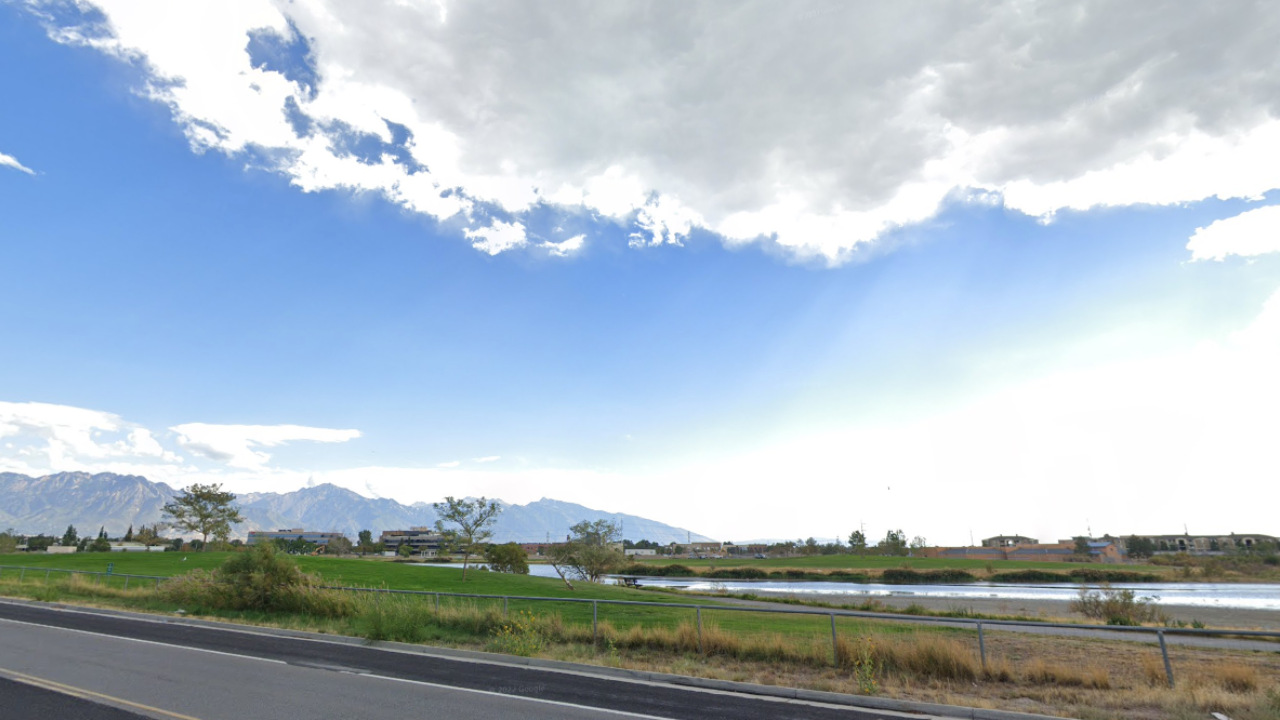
1159,633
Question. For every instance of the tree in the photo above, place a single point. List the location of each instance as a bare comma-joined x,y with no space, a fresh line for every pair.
70,537
405,551
128,536
204,509
1140,547
894,543
339,545
1082,547
9,541
858,542
148,536
508,558
591,552
810,547
100,543
365,539
919,542
473,520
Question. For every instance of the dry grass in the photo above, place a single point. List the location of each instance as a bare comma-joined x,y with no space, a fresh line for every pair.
1235,677
1086,678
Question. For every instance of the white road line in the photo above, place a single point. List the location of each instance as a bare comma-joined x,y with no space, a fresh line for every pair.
210,625
144,642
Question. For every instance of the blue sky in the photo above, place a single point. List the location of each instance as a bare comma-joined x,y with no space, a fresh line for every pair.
190,306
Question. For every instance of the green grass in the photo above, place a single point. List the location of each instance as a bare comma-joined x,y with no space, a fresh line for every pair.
356,572
869,562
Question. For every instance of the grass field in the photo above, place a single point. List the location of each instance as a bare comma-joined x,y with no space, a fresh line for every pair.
1076,677
876,562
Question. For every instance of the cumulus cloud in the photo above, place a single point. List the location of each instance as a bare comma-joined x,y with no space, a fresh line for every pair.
234,444
497,237
12,162
819,126
63,437
1256,232
565,248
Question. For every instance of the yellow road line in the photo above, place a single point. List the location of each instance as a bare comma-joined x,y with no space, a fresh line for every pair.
87,694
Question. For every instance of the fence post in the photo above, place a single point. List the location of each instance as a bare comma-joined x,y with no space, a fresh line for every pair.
21,574
982,647
126,582
504,605
835,647
437,603
595,617
699,612
46,576
157,583
1164,651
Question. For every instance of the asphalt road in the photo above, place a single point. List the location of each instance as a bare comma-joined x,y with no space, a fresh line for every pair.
143,668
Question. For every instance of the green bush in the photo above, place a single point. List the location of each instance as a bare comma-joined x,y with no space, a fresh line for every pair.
261,579
1099,575
905,576
1116,606
1030,576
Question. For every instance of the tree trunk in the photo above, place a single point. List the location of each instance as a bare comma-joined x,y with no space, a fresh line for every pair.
204,542
466,555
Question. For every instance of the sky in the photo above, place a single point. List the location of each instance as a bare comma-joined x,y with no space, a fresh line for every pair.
757,270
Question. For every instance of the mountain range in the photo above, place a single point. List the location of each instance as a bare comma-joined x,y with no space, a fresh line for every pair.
49,504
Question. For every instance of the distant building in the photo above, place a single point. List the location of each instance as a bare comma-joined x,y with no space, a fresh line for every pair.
1008,541
751,549
60,549
1064,551
642,552
312,536
705,548
1210,544
135,547
421,540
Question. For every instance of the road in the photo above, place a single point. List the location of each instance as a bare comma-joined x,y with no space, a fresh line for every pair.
70,664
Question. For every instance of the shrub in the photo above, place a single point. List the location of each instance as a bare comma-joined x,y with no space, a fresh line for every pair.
522,635
508,558
1030,576
906,576
1235,677
261,579
1098,575
738,573
1115,606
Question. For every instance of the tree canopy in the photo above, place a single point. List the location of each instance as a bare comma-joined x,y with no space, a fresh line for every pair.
204,509
466,525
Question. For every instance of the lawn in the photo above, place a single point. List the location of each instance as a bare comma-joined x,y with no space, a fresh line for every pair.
871,562
379,573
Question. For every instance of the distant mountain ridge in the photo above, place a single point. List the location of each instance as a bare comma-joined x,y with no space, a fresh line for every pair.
49,504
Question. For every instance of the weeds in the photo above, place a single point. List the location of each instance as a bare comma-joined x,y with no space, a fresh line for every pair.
1116,606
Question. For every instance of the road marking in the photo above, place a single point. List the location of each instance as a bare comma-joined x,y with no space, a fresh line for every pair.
126,638
425,652
559,703
89,695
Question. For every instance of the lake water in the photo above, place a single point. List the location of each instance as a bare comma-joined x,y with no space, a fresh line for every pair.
1223,595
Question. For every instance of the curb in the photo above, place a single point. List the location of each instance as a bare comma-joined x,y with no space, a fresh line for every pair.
571,668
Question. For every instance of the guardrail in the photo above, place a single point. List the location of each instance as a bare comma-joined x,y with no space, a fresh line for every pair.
1158,632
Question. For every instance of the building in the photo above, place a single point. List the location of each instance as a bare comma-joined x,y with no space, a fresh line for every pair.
1210,544
1063,551
288,535
705,548
135,547
641,552
421,540
1008,541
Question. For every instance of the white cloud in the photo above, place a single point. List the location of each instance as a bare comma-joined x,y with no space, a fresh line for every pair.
565,248
451,464
12,162
498,237
234,444
821,127
487,459
1255,232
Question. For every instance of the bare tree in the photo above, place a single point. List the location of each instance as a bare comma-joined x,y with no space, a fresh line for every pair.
473,520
